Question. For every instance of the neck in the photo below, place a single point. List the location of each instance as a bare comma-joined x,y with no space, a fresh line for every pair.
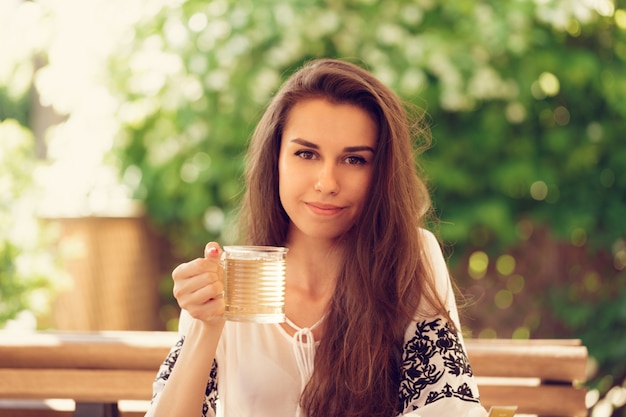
312,270
313,265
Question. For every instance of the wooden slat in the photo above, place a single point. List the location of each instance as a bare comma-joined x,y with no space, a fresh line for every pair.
53,408
81,385
524,342
23,412
36,408
544,400
548,362
97,350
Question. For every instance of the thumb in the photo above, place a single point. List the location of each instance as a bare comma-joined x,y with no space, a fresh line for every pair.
212,250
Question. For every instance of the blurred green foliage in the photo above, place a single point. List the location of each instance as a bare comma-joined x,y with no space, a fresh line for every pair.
525,101
26,266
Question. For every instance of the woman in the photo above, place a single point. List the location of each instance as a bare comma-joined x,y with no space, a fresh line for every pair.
372,324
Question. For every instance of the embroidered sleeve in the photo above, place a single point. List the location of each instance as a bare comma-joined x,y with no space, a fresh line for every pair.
435,369
165,370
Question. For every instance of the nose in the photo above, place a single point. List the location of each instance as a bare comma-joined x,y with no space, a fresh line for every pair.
327,181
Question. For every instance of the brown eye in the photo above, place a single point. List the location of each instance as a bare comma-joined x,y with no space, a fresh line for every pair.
355,160
305,154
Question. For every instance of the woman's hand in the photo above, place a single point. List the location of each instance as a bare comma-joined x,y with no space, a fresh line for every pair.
199,285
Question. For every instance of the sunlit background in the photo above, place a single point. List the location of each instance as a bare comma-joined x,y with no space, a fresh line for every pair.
123,125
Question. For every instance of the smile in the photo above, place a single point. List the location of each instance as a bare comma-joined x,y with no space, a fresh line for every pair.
324,209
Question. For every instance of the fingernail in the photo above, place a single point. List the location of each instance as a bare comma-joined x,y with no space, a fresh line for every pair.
212,251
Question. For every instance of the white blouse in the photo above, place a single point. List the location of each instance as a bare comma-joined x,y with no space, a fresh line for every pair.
260,370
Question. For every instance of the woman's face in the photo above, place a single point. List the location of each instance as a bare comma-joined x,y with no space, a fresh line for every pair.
325,166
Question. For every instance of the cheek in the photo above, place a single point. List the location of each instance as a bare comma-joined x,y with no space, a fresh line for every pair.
364,185
282,174
292,177
362,196
282,192
285,185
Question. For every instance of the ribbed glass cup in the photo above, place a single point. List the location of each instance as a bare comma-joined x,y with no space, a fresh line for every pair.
254,283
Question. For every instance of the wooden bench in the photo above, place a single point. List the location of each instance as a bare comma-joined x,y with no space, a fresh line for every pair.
542,377
97,372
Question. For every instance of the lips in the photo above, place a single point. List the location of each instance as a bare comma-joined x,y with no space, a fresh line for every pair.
322,209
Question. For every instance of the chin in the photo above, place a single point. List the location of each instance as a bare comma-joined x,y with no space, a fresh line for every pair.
333,235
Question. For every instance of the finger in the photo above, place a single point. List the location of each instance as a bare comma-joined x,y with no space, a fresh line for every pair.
210,309
185,287
202,295
212,250
196,267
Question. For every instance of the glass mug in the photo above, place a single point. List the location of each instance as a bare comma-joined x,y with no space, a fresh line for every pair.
254,283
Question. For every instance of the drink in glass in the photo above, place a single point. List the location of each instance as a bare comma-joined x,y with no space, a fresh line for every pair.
254,283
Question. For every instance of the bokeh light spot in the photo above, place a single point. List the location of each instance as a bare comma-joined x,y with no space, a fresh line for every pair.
515,112
214,219
488,333
620,18
619,260
573,27
505,265
539,190
561,116
198,22
595,132
503,299
478,263
522,332
515,283
592,282
549,84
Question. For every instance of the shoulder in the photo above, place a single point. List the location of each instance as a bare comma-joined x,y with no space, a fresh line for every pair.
427,234
430,243
439,280
433,255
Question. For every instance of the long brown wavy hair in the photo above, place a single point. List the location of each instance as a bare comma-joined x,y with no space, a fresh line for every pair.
385,275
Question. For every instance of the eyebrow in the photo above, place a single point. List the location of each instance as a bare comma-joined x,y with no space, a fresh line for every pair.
346,149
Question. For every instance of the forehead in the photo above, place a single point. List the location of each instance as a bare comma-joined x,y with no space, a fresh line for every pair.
318,119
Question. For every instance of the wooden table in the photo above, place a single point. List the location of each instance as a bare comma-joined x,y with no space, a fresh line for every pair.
99,369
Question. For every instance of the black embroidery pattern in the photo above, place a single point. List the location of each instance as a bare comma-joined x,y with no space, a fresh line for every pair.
168,364
210,400
434,351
